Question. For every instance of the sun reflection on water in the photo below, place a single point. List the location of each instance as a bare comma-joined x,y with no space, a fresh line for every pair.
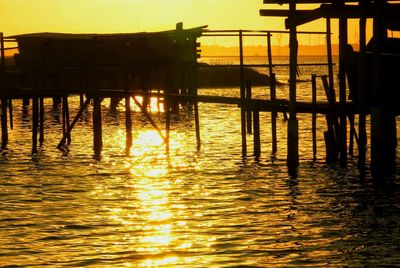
155,214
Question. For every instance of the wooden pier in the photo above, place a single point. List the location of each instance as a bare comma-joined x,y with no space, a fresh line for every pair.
165,65
371,73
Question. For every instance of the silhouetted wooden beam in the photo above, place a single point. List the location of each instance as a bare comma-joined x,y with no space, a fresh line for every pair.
280,2
390,11
299,17
74,121
148,116
278,105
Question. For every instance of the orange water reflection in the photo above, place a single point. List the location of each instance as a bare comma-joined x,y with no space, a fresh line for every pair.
154,217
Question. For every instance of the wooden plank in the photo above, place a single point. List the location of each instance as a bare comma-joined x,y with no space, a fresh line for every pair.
280,2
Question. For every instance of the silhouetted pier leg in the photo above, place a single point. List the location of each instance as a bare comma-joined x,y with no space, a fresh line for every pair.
293,125
25,102
81,100
97,127
274,115
342,92
248,112
56,102
243,97
314,115
330,135
167,110
114,101
64,123
35,124
197,124
66,119
41,121
10,110
193,90
383,136
78,115
128,123
4,125
352,134
272,85
362,100
256,133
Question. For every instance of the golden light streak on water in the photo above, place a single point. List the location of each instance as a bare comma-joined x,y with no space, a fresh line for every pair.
154,104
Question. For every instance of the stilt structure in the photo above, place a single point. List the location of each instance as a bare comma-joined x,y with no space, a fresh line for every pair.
372,81
90,64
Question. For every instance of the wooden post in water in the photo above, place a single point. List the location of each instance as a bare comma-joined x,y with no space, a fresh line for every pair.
272,86
362,100
256,131
4,127
128,119
41,121
383,124
3,71
342,136
352,135
242,96
97,124
256,127
128,123
97,127
293,125
314,115
167,111
329,53
248,112
66,118
35,123
193,90
10,111
4,104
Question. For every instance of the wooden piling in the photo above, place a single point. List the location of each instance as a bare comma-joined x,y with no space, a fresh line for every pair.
314,115
10,111
167,111
329,53
242,97
197,125
256,133
362,131
248,112
383,133
97,127
293,126
272,86
128,123
4,125
35,124
66,117
351,135
74,121
342,135
330,135
41,121
4,101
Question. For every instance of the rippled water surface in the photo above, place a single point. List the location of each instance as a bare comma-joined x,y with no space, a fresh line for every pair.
207,208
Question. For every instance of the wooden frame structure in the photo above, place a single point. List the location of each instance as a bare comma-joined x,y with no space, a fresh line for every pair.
385,16
99,66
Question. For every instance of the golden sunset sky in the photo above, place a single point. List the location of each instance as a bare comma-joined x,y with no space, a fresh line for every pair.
111,16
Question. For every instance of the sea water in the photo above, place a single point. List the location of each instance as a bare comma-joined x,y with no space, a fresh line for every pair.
189,208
